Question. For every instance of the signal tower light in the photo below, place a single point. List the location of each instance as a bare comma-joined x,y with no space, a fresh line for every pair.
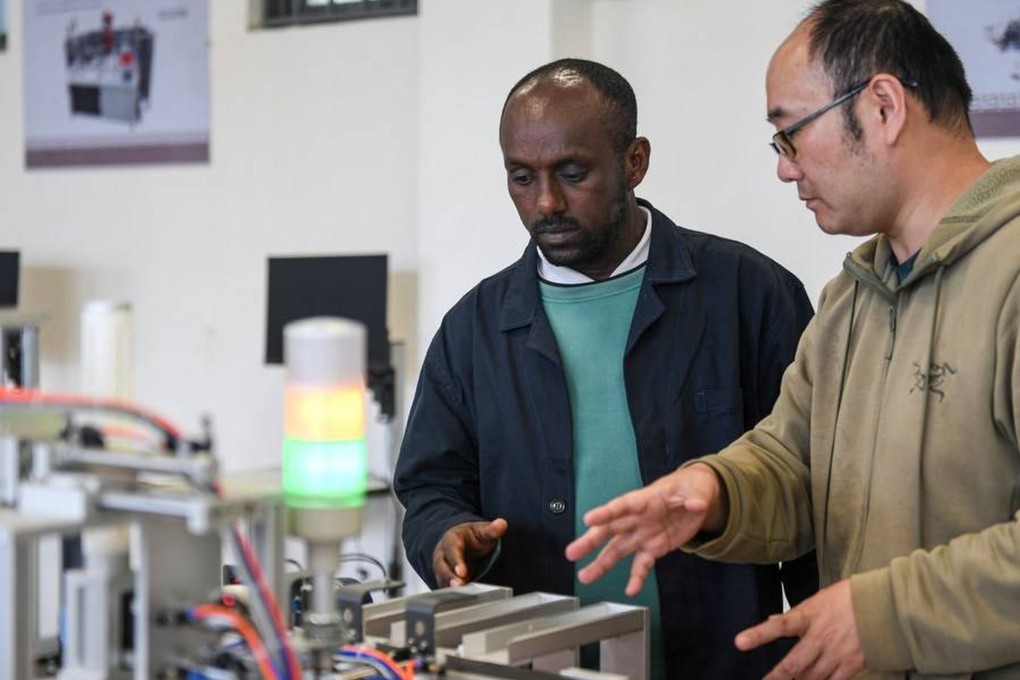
325,456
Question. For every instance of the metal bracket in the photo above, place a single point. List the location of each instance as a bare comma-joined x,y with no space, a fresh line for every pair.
351,598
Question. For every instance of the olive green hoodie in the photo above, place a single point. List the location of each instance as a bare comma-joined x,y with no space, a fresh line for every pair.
895,446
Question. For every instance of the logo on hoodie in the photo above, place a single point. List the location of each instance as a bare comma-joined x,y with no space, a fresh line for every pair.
932,381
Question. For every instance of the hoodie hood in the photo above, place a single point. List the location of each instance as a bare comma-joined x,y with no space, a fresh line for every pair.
976,215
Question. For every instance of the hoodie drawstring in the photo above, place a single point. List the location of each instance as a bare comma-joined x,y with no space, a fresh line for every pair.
820,544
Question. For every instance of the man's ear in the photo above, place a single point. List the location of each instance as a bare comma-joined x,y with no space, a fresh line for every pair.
635,161
888,97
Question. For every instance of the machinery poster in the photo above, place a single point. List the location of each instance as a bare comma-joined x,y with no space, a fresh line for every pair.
986,35
3,25
111,82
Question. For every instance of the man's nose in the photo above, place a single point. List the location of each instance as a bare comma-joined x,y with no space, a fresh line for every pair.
788,170
550,198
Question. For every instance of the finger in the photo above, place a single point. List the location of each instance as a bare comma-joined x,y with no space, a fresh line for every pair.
632,503
494,530
612,553
691,505
481,538
843,673
442,567
677,510
453,548
586,543
593,571
790,624
443,572
639,570
797,664
824,667
620,532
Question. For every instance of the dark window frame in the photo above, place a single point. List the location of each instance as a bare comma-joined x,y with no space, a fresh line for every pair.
276,13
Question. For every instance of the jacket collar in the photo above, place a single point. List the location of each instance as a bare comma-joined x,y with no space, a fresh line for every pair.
669,261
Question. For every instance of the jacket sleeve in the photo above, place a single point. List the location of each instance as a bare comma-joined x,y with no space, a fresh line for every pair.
788,313
955,608
436,476
767,477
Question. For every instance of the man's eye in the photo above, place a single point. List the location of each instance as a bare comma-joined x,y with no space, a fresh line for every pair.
521,178
573,176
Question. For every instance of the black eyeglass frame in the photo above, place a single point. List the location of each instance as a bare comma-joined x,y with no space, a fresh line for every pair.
784,138
782,141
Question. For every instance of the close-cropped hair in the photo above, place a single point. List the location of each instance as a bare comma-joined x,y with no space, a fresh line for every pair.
614,89
855,39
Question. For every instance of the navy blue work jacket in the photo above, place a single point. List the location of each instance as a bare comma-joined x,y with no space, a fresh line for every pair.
489,432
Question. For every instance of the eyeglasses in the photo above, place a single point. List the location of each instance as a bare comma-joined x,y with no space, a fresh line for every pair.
782,141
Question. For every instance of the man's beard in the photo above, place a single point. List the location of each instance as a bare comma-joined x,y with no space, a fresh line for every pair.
595,245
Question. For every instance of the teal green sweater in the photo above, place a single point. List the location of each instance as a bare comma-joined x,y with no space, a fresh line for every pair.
591,323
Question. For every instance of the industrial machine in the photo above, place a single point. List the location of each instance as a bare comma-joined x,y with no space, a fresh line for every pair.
109,70
157,606
168,615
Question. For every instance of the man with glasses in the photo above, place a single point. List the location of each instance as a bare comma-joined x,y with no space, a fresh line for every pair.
894,447
616,348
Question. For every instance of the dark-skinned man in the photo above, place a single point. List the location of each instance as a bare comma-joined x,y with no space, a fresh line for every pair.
616,348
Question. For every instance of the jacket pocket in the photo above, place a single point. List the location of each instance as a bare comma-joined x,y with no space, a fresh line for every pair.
711,403
703,422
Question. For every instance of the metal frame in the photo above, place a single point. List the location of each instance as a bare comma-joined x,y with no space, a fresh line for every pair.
277,13
620,630
19,588
52,489
178,539
21,327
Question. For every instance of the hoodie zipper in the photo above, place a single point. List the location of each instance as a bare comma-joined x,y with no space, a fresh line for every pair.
855,548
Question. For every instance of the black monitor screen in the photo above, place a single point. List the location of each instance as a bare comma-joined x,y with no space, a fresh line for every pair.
348,286
9,262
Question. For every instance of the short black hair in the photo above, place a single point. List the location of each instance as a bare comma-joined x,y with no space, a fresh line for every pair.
614,89
855,39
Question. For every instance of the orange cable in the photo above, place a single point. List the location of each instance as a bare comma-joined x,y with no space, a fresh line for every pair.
30,396
247,631
407,672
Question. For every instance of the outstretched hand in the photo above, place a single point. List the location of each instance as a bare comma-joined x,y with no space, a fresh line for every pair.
461,546
651,522
829,647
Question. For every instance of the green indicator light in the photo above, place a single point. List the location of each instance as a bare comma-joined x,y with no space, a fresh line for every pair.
325,474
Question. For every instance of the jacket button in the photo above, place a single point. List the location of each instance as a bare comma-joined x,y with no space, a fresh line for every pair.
557,506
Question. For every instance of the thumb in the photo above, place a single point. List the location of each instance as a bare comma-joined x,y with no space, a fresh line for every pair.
691,504
494,530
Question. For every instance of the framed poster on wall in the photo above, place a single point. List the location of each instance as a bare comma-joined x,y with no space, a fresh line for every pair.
274,13
986,35
3,25
116,82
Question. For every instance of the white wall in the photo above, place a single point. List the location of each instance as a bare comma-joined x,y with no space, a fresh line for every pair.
380,136
471,52
314,148
698,70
